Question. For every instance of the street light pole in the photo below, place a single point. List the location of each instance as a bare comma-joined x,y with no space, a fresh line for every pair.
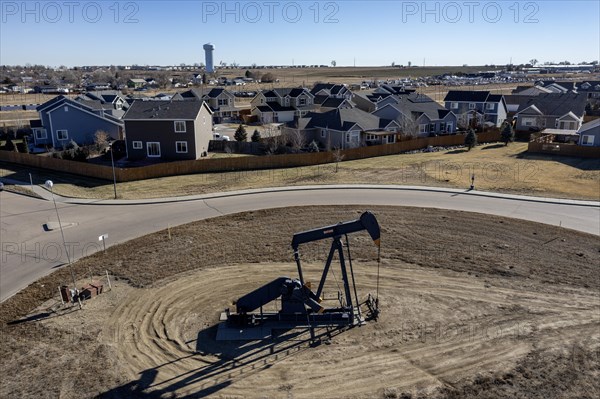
112,161
49,184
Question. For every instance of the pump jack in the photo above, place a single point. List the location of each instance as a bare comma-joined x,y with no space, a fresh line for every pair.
300,306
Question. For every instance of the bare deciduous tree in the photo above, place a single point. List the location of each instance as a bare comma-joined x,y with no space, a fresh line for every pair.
409,126
338,157
297,139
101,140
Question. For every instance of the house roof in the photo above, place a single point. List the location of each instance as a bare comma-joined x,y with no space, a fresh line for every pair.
320,99
537,89
565,85
276,107
330,88
594,86
169,110
419,104
556,104
343,120
585,127
332,102
214,93
467,96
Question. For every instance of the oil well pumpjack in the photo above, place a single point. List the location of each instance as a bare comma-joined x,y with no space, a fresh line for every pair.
301,307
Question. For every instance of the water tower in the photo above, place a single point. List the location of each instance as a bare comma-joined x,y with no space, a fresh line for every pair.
208,50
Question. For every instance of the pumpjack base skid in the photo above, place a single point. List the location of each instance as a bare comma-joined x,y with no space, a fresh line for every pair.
257,326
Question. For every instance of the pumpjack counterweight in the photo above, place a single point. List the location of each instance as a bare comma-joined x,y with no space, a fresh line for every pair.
301,307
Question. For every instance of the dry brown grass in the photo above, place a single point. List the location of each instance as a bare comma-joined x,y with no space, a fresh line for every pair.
48,359
497,167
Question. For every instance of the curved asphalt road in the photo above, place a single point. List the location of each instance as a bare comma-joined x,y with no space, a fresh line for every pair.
29,252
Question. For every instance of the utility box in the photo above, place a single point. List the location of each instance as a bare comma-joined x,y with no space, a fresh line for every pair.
65,294
91,290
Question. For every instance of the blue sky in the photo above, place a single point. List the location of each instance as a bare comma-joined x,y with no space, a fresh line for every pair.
303,32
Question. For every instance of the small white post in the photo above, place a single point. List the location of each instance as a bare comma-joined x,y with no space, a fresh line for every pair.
108,279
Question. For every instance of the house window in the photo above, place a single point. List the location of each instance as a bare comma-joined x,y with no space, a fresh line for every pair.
423,128
181,147
391,138
454,105
323,133
471,105
179,126
449,127
489,106
137,145
301,101
62,134
442,127
587,140
224,102
371,137
153,149
432,127
40,134
528,121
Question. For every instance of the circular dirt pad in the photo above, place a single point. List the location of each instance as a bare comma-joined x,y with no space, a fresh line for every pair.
436,328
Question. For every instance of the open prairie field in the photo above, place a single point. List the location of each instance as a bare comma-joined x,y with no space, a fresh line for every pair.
471,306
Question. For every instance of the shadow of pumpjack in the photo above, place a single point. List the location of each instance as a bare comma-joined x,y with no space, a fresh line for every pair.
236,361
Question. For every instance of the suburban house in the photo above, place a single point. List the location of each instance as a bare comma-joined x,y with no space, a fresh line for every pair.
98,86
557,86
589,133
282,105
220,101
530,91
347,128
418,115
592,88
370,101
553,111
331,90
112,101
136,83
63,119
167,130
324,104
489,109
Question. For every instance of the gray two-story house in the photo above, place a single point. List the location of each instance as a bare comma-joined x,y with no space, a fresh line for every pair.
282,105
167,130
419,116
489,109
63,120
220,101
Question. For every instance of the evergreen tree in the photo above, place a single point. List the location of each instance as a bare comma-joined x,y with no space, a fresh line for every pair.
471,139
240,134
507,133
255,136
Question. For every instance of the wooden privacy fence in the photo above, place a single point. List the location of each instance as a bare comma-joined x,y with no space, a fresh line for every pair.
570,150
233,163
